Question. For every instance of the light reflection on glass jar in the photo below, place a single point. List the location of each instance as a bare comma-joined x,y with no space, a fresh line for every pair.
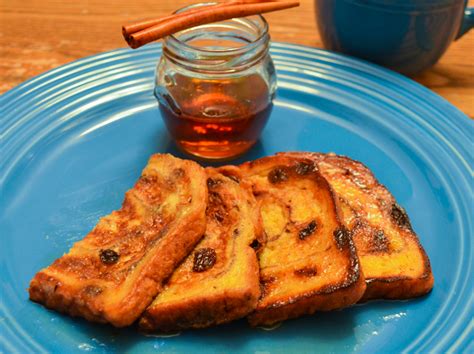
215,84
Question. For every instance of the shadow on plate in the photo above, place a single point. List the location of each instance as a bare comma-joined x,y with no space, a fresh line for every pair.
330,327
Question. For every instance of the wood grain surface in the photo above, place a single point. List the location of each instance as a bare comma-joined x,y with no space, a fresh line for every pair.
38,35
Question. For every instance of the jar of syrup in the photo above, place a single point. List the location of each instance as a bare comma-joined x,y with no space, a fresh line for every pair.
215,84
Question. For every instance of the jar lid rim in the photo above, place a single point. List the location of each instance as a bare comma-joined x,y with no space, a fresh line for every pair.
263,33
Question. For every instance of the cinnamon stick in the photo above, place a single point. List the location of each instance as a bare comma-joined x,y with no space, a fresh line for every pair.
208,14
129,29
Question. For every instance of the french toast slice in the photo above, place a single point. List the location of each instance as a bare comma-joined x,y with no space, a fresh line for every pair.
309,262
115,272
219,281
393,261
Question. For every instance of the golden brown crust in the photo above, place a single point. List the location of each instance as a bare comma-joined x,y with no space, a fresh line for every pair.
213,309
219,281
118,268
309,262
394,262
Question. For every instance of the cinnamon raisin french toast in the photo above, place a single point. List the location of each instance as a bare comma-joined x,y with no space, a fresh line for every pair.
309,262
393,261
116,271
219,281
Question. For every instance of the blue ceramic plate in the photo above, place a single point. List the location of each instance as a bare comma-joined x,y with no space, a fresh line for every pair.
76,138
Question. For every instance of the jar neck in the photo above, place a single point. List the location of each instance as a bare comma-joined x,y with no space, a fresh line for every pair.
219,48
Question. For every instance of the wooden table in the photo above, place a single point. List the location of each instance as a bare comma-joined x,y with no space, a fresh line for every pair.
38,35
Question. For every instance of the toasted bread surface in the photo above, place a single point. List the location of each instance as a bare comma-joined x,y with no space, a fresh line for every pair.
219,281
115,272
393,261
309,261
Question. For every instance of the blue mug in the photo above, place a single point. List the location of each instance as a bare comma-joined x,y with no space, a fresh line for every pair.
408,36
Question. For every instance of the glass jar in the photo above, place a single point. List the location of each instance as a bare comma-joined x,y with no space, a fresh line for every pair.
215,84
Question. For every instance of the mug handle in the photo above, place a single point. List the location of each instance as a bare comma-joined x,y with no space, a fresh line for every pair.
467,22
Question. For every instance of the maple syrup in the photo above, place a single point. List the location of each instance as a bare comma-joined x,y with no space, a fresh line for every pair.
224,122
215,85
